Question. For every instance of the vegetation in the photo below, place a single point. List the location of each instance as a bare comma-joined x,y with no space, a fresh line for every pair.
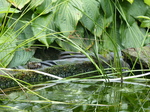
98,26
86,26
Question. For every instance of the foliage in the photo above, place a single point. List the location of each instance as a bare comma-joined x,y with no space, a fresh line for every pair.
108,24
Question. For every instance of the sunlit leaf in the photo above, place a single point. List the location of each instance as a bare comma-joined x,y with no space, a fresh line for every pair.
67,16
130,1
144,17
19,3
147,2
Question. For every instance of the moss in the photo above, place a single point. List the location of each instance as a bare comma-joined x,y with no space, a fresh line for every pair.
58,70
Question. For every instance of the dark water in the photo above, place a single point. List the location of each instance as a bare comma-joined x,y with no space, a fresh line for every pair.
78,97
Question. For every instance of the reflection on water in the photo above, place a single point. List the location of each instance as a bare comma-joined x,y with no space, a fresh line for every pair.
78,97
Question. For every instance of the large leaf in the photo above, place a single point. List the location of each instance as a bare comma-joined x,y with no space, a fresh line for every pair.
147,2
130,12
8,10
21,57
91,15
5,7
7,45
107,7
130,1
110,41
68,15
22,28
76,37
145,23
147,41
42,27
132,37
34,3
45,7
19,3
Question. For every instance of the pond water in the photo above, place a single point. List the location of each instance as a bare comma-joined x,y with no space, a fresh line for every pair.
78,96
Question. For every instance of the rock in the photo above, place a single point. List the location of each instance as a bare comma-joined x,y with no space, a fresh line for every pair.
141,55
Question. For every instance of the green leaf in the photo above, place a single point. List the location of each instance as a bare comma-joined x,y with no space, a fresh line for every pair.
91,14
22,27
130,1
145,23
147,41
3,40
7,48
108,8
5,7
107,41
132,37
147,2
45,7
143,17
76,37
21,56
138,8
8,10
34,3
19,3
68,15
43,29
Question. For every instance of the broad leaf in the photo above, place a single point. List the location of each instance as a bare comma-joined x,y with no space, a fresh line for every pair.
43,29
19,3
5,7
132,37
76,37
22,28
34,3
130,1
68,15
131,11
147,2
147,41
145,23
107,8
21,56
7,46
45,7
91,15
8,10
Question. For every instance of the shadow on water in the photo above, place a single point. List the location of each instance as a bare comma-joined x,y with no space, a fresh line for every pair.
78,97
